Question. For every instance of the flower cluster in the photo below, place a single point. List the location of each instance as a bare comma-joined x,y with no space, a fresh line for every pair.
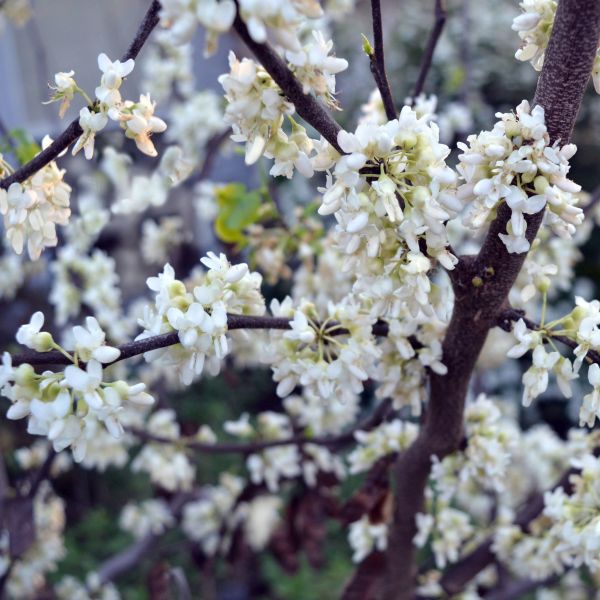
411,346
534,26
33,208
160,239
315,69
200,318
388,438
151,516
87,280
582,325
26,574
364,537
137,118
255,105
181,20
575,515
515,163
330,355
203,519
278,463
65,406
391,195
447,531
167,464
278,19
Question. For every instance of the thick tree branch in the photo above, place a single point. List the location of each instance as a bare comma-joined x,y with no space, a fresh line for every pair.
377,60
73,131
164,340
567,67
434,37
306,105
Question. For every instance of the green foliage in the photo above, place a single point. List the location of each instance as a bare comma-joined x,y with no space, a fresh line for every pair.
308,583
238,208
23,145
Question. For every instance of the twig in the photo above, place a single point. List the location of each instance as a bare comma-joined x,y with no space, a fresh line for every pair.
306,105
377,60
512,314
519,589
73,131
164,340
130,557
211,152
594,199
436,32
370,422
42,473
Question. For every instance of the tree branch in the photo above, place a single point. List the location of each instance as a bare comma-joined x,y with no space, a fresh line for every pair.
306,105
338,441
377,61
562,83
73,131
130,349
434,37
42,473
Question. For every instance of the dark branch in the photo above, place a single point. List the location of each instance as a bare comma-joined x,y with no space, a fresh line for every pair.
377,60
164,340
338,441
306,105
42,473
73,131
436,32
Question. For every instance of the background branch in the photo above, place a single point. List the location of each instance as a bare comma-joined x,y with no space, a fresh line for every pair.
436,32
377,60
373,420
130,557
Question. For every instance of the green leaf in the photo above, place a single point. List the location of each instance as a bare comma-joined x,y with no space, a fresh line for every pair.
238,208
24,146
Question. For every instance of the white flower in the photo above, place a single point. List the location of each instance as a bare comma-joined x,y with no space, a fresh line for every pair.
63,90
365,537
90,343
590,409
30,335
88,382
140,123
91,123
528,339
535,379
112,78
